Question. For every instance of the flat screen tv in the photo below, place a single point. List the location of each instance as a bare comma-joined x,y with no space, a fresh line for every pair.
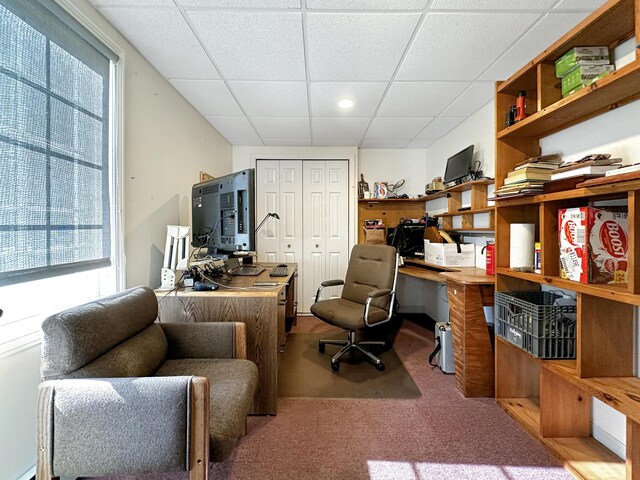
223,213
459,165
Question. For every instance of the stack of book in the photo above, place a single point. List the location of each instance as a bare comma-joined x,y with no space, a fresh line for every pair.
529,177
590,166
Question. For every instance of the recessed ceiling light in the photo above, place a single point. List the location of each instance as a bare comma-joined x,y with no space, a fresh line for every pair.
345,103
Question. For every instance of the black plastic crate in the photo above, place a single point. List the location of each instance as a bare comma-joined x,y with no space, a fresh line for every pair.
536,323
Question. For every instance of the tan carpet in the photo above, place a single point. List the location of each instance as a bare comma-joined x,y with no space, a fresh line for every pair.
305,372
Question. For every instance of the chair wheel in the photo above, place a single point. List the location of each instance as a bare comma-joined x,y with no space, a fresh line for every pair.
380,366
335,366
321,347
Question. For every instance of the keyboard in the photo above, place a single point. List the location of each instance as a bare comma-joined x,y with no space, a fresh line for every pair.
279,271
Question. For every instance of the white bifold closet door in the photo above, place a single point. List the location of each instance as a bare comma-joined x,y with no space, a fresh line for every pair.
311,198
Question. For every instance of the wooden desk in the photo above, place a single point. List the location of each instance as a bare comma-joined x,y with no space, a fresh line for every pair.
469,289
264,310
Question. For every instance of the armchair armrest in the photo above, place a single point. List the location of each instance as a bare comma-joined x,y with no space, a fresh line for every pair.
206,340
328,283
111,426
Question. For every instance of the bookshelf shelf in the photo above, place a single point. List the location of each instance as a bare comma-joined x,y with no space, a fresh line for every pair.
552,399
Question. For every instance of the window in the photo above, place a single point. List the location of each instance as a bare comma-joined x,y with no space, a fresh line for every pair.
54,146
57,172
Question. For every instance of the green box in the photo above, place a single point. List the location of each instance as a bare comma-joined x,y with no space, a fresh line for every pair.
581,56
573,90
584,75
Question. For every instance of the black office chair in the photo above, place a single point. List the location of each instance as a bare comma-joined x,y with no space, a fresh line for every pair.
368,299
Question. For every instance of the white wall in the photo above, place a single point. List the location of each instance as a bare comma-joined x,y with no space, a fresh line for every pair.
166,144
479,130
391,166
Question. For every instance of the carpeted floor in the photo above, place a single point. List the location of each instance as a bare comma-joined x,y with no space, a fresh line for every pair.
305,372
438,436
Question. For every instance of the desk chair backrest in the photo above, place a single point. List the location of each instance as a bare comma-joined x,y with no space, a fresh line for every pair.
371,267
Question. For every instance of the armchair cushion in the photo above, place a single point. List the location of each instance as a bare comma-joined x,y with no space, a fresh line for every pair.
346,314
71,342
137,424
233,383
204,339
139,356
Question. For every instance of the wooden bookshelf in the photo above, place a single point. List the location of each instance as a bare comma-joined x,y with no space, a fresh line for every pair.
389,210
479,204
551,399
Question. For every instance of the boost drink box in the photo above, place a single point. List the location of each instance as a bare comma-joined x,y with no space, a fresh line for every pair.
593,245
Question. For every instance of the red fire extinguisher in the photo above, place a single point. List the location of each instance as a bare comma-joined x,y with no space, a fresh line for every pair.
490,249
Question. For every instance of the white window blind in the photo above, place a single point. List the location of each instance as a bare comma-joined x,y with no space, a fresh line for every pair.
55,213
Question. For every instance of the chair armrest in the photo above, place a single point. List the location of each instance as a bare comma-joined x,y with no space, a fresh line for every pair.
206,339
328,283
111,426
372,296
379,293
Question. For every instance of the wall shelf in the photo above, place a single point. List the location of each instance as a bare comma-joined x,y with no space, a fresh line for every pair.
552,399
479,204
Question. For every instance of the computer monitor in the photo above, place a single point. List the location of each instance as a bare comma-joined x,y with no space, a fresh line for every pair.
223,213
459,165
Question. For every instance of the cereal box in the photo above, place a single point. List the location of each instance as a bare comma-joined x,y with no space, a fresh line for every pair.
593,245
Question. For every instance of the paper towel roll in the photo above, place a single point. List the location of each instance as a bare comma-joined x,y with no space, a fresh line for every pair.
521,254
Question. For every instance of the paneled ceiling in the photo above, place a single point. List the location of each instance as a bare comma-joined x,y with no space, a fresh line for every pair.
271,72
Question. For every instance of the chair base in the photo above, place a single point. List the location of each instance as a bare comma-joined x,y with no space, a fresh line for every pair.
348,344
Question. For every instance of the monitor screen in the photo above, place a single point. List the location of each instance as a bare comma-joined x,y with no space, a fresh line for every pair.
459,165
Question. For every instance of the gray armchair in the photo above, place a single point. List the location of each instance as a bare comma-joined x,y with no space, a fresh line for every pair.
367,299
122,394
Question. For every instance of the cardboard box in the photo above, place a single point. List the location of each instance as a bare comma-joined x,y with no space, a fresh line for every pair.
593,245
446,254
581,56
584,75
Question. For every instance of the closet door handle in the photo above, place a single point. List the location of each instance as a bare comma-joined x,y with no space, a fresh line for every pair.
288,245
317,245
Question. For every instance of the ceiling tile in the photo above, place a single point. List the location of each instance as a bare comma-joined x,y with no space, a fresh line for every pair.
209,97
339,128
272,99
543,34
580,4
282,128
233,127
440,127
326,95
366,4
357,46
382,143
400,128
288,142
421,143
493,4
336,142
245,142
436,54
132,3
164,38
241,3
253,45
476,96
419,99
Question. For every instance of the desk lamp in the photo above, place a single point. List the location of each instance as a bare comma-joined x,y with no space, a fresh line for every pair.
176,255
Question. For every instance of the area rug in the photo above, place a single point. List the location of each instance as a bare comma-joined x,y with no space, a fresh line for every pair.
305,372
